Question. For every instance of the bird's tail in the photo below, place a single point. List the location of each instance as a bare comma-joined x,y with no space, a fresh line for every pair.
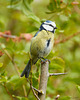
27,69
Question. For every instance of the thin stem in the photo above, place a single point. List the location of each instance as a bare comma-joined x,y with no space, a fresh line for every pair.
24,88
34,93
28,92
39,91
33,90
8,36
7,91
56,74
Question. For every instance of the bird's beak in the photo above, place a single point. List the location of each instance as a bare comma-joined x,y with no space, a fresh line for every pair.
55,28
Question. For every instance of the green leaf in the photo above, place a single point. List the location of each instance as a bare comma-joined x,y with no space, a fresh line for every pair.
57,63
14,1
52,5
58,60
29,1
31,15
51,55
28,12
26,4
16,81
78,87
1,64
3,79
35,81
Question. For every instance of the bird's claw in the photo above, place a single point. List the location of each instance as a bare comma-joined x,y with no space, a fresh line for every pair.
45,60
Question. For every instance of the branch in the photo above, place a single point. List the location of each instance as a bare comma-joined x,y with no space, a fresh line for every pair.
39,91
56,74
34,93
8,36
66,39
28,37
43,80
30,83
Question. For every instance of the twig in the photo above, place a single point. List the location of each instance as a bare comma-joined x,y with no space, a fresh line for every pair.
28,92
34,93
33,90
66,39
57,97
9,56
24,89
43,80
8,36
56,74
7,91
39,91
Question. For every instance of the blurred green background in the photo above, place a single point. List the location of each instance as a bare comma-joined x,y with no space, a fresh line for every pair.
24,17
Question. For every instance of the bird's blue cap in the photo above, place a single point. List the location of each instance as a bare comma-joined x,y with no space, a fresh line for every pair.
48,21
48,26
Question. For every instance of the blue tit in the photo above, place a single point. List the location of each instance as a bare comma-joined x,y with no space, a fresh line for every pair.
41,45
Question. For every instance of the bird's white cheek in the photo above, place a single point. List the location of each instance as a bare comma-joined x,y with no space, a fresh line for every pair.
47,27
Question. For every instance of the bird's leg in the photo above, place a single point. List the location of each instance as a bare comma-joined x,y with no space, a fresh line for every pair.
44,60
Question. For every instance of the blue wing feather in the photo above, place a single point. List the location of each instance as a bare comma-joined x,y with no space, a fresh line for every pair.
36,34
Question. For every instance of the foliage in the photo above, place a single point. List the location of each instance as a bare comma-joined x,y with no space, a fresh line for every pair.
22,18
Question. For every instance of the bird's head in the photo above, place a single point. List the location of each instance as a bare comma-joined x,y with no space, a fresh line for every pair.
48,26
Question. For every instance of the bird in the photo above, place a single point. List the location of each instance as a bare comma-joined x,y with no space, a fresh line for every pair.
41,45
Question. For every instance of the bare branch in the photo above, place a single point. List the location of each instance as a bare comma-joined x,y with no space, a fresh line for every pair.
39,91
8,36
33,89
34,93
56,74
43,80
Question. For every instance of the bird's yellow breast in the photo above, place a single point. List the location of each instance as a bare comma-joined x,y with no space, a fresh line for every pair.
39,44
